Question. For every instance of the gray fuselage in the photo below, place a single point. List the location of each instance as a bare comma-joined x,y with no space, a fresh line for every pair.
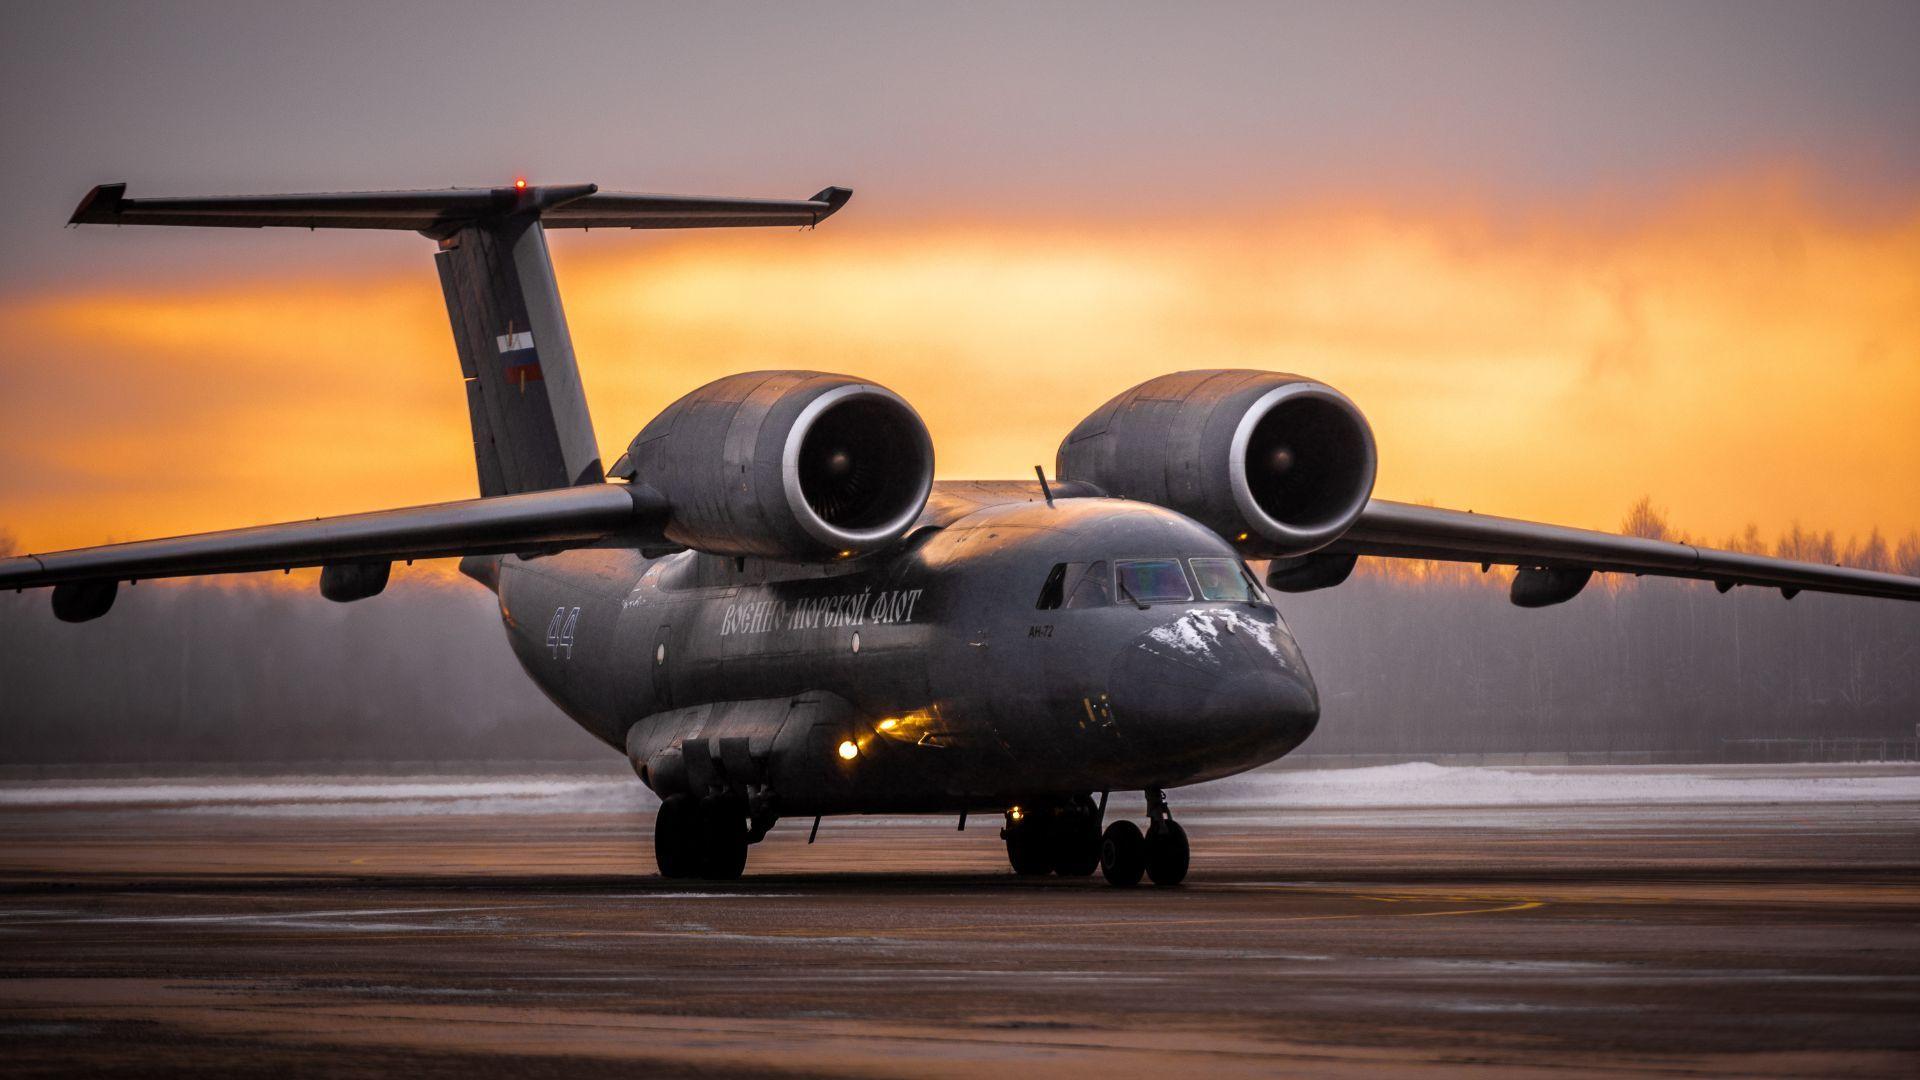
928,677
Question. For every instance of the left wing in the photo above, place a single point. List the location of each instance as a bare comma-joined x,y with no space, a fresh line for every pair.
1555,562
85,579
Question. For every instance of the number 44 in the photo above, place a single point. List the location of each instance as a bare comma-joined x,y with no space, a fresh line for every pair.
560,632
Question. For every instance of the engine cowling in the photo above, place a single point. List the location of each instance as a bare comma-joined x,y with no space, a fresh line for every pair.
797,465
1279,464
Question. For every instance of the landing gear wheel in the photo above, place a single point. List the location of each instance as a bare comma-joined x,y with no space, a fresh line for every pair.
1027,847
723,838
1167,852
1123,854
676,837
1076,843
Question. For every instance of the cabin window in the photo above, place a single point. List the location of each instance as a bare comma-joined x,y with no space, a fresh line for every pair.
1147,581
1054,589
1090,590
1226,579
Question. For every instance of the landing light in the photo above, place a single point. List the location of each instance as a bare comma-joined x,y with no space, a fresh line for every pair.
1015,814
848,751
520,184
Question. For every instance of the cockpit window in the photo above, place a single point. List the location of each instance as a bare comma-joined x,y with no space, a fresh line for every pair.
1144,581
1054,588
1091,588
1225,579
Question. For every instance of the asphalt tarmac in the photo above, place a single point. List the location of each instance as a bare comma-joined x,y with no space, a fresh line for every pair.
243,937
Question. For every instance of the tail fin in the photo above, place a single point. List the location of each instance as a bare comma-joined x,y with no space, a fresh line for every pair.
531,427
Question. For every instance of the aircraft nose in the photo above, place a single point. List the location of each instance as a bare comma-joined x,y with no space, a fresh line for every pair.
1259,700
1214,692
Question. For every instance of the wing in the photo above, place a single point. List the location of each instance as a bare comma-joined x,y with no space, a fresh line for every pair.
541,521
443,212
1556,561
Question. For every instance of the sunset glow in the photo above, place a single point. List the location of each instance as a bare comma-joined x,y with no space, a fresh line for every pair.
1736,353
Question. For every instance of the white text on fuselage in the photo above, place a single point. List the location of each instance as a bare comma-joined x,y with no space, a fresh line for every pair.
821,612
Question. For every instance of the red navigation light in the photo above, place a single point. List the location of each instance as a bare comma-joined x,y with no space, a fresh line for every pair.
521,183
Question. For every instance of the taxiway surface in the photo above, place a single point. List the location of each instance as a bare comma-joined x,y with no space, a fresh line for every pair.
490,927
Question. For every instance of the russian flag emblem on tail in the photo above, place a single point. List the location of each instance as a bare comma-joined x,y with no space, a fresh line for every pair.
518,360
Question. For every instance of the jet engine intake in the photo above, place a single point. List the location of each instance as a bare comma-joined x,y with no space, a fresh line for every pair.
1279,464
796,465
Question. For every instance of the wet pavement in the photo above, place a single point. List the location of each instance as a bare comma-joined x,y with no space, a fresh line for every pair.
1748,939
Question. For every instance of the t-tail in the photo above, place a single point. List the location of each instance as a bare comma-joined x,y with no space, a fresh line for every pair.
531,427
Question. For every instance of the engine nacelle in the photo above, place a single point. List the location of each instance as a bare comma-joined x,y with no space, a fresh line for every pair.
794,465
1278,464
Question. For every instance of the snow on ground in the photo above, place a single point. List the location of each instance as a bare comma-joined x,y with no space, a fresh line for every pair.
1419,784
339,796
1416,784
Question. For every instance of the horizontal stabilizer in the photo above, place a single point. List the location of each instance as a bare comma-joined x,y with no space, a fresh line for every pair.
534,521
444,212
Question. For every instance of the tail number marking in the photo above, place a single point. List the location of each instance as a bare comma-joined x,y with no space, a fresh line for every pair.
560,632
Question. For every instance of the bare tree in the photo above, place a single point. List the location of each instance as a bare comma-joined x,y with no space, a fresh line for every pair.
1906,558
1872,555
1647,520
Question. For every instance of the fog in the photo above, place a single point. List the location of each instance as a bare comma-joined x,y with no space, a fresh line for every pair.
256,670
1413,660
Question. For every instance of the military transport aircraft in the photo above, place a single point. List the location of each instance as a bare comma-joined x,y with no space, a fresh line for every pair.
773,608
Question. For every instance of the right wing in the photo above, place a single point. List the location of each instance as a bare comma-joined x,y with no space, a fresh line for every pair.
542,521
1554,559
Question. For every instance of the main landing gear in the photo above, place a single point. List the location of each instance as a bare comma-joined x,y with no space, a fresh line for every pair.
702,838
1066,840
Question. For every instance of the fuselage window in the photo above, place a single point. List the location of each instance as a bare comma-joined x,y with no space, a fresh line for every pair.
1091,588
1146,581
1225,579
1054,589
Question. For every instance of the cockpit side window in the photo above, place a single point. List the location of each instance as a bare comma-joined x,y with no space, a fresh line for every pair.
1145,581
1054,588
1091,588
1226,579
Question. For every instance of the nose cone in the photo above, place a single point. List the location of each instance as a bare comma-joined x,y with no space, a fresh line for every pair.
1212,693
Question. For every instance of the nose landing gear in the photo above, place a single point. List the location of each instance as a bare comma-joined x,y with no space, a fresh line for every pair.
1065,839
1161,854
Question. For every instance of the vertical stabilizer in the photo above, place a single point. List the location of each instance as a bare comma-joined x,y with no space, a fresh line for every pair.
531,428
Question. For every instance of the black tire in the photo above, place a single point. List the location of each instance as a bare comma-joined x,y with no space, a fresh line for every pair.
676,837
1167,853
1123,854
723,838
1028,849
1076,844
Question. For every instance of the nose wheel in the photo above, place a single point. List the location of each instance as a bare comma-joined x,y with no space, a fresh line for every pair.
1161,853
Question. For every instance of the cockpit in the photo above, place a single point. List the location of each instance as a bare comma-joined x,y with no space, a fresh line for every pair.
1145,582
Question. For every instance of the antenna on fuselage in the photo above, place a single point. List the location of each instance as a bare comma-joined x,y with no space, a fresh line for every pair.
1044,489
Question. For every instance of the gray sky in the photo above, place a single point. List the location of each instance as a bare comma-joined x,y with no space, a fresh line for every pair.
932,110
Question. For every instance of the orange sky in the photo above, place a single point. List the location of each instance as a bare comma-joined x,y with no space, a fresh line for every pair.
1735,352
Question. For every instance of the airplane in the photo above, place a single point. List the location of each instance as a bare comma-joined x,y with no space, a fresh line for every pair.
774,610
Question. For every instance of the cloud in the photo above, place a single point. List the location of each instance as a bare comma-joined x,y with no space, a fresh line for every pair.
1739,353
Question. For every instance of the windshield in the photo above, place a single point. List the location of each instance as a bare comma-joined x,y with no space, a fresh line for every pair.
1148,580
1225,579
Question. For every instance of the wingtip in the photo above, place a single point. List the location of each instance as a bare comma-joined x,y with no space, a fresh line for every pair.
834,197
102,204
